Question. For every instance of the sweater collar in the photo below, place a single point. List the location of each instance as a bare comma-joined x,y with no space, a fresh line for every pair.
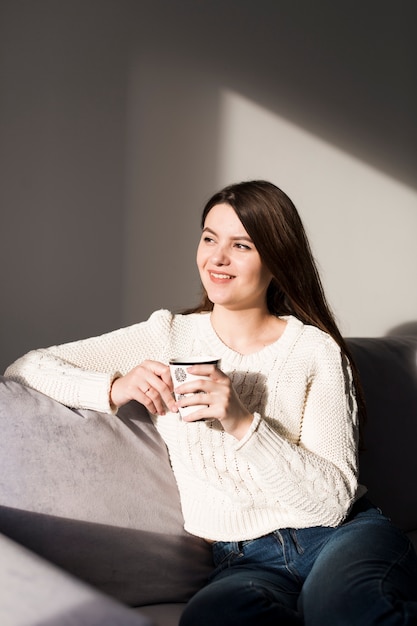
219,349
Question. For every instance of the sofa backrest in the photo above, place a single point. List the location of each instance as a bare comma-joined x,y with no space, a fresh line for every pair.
388,463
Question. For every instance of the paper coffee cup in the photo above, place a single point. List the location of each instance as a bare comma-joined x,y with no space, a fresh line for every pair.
180,375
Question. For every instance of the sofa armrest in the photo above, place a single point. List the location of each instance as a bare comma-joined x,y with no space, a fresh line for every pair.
95,495
33,591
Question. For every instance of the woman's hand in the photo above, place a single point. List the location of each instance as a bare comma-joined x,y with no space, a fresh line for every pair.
221,399
150,384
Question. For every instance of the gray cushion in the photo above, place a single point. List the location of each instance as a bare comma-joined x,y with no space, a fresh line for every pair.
388,369
163,614
95,495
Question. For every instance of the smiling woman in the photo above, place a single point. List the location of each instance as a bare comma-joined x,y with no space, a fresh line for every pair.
267,465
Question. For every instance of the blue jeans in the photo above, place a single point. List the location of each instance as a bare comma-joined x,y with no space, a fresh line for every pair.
362,573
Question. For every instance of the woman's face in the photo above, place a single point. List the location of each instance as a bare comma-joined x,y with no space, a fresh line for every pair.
230,267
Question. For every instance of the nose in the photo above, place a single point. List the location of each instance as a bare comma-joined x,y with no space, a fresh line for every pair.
220,256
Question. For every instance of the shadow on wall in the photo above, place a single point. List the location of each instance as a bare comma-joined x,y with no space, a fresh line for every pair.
301,65
406,329
346,73
172,146
63,72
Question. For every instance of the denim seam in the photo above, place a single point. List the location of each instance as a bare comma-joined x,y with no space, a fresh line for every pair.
393,565
291,570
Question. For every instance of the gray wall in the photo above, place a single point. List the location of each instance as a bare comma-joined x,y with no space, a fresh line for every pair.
108,151
62,150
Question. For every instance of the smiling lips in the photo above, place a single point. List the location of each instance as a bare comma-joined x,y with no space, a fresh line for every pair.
218,277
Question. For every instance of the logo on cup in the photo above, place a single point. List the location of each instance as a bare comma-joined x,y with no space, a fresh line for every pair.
180,374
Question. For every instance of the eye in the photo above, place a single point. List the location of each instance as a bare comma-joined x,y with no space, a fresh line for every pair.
242,246
208,239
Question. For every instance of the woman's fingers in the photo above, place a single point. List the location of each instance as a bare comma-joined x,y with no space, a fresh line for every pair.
148,383
213,390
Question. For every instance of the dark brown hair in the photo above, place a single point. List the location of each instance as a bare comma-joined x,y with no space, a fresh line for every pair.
275,227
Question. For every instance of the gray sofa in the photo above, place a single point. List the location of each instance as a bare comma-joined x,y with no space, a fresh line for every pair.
90,520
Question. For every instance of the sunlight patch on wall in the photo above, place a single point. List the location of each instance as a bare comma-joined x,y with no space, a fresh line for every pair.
362,223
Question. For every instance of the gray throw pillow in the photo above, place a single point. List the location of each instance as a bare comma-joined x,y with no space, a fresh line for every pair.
95,494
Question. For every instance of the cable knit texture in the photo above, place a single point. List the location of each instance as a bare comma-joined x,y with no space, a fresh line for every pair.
296,467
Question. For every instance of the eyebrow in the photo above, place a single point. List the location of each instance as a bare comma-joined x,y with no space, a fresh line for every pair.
236,238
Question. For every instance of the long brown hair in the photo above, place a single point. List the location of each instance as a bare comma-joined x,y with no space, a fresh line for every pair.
272,221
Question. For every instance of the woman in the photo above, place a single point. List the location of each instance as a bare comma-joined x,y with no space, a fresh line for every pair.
268,470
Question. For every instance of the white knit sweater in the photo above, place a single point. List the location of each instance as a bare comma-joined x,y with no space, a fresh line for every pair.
296,467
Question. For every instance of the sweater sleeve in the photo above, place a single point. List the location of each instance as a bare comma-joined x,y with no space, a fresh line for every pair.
318,474
79,374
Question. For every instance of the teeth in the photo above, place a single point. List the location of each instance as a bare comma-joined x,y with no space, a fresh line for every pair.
220,275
